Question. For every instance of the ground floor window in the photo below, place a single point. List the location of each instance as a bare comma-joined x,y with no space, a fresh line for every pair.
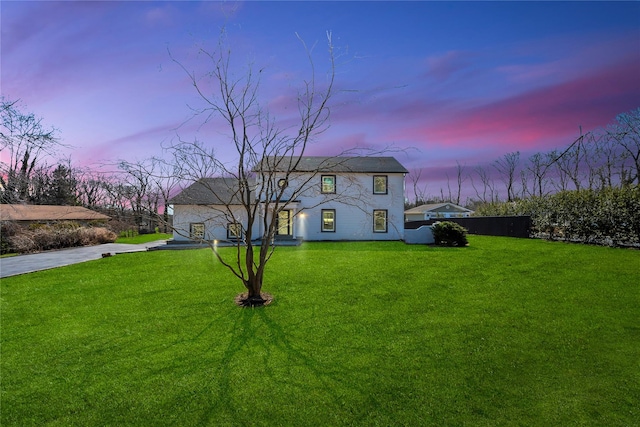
234,230
284,223
328,220
196,230
380,221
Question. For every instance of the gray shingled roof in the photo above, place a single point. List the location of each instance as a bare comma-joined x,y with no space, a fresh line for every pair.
209,191
49,213
435,206
336,164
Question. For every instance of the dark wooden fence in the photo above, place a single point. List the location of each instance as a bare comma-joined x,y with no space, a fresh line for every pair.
510,226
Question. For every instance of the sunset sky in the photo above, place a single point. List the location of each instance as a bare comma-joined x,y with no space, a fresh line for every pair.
448,81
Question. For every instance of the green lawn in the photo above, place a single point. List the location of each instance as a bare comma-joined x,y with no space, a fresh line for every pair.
144,238
503,332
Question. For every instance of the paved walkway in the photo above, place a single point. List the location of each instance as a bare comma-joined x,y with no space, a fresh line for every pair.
22,264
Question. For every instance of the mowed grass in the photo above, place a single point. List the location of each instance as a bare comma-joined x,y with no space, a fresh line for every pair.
503,332
144,238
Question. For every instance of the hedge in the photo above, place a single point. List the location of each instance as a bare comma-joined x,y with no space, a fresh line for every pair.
609,216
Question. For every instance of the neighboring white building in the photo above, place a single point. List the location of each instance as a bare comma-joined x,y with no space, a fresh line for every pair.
436,210
324,198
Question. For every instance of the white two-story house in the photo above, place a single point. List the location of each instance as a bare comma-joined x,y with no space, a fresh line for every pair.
321,198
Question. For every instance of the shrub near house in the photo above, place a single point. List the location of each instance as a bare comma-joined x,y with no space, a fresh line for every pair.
449,233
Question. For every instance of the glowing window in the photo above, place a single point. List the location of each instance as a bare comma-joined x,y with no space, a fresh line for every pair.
234,230
380,184
197,230
380,221
328,220
328,183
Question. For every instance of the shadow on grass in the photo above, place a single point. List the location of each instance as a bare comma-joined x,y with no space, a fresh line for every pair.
255,332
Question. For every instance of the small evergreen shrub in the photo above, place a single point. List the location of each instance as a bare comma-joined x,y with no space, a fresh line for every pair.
449,233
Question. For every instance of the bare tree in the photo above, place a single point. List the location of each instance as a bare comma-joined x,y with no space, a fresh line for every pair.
460,179
592,158
116,195
166,178
570,163
264,177
153,182
489,193
507,167
454,197
607,156
627,133
419,192
141,196
538,167
91,189
25,141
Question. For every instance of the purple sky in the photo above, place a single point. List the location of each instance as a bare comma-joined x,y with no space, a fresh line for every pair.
454,81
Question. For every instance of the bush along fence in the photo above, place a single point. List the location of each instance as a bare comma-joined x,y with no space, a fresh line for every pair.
509,226
609,216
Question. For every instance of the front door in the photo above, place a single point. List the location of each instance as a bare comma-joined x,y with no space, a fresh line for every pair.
284,226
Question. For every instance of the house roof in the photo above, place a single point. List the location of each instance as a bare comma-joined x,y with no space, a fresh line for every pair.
48,213
449,207
362,164
210,191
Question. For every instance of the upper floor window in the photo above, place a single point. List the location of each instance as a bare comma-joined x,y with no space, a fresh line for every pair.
196,230
282,183
328,183
380,221
380,184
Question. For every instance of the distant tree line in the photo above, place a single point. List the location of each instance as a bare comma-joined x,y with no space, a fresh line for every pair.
599,159
30,173
588,192
135,194
609,216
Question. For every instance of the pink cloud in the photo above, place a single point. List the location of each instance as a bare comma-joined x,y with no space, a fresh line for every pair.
138,145
540,116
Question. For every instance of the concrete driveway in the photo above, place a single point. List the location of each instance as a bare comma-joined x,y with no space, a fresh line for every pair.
22,264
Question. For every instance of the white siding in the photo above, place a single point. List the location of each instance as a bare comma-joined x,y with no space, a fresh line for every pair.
417,217
354,203
422,235
214,218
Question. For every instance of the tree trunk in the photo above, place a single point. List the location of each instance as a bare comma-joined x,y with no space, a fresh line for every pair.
253,283
254,287
254,296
